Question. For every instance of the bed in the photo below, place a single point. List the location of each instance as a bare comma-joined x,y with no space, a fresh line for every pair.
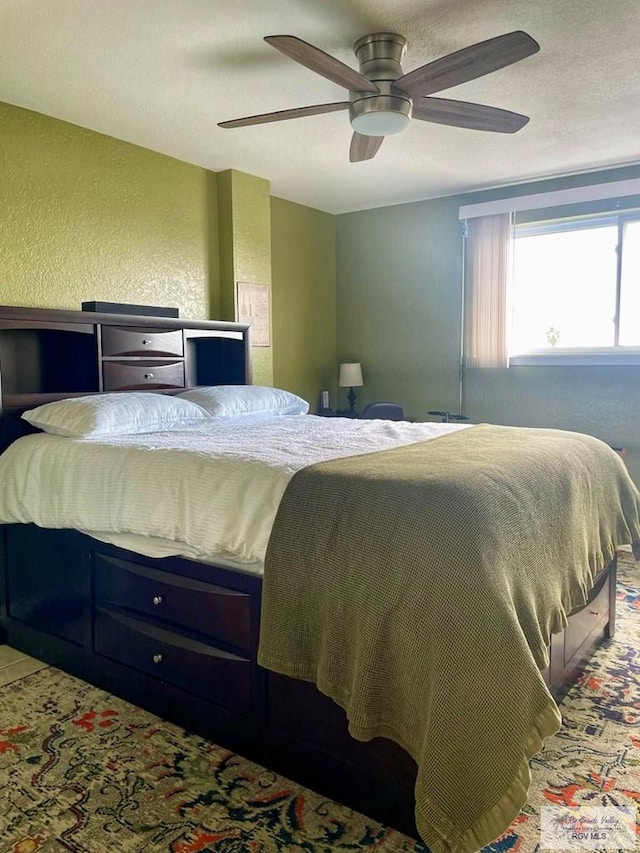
199,634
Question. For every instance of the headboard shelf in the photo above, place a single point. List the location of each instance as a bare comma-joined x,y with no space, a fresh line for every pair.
47,359
47,354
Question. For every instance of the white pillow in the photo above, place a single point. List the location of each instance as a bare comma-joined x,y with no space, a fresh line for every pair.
114,414
224,401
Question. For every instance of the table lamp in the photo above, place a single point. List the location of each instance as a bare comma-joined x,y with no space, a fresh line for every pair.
351,377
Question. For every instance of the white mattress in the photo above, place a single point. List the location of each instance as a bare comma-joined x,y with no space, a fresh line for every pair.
208,492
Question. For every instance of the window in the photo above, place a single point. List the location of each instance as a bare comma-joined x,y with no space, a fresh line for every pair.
575,290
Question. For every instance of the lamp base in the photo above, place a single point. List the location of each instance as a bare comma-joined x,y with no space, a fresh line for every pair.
351,397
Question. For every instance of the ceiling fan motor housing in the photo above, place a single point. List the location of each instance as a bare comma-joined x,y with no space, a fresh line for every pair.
380,56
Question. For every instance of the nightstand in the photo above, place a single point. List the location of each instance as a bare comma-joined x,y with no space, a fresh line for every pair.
337,413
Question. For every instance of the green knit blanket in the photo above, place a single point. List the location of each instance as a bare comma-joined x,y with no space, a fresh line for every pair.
418,587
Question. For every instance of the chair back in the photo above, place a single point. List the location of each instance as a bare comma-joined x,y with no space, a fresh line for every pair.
384,411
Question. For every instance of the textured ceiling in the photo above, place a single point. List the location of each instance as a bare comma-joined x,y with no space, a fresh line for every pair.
162,73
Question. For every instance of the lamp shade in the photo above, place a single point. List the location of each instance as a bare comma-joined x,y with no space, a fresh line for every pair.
350,375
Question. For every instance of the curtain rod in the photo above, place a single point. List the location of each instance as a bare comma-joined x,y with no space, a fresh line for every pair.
536,201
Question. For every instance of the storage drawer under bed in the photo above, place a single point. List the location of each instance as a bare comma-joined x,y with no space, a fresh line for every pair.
588,620
216,612
199,668
586,628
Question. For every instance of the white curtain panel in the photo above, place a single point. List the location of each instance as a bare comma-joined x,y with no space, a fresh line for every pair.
488,263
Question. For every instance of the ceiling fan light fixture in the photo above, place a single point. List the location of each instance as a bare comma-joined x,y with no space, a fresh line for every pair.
380,123
381,115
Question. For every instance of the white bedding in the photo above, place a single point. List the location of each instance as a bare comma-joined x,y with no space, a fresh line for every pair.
210,491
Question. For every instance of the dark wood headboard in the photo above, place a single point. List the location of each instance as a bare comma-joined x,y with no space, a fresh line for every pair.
47,355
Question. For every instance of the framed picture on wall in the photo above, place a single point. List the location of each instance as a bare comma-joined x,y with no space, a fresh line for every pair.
252,306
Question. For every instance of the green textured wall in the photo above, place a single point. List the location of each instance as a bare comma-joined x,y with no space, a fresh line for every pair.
303,253
399,275
84,216
244,212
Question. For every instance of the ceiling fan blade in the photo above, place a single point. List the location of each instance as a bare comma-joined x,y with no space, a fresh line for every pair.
283,115
364,147
467,64
322,63
464,114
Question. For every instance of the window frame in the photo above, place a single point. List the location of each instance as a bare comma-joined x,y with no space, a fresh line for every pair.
611,355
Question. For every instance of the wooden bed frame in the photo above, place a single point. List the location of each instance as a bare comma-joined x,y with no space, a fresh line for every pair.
177,636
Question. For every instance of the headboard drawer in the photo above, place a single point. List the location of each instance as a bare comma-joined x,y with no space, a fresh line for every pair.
119,340
129,375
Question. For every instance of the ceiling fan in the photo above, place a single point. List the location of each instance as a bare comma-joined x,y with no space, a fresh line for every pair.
383,99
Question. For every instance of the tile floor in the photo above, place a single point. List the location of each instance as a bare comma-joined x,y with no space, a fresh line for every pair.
15,665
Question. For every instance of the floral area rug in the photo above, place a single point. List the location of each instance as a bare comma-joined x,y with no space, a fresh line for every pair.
594,760
82,771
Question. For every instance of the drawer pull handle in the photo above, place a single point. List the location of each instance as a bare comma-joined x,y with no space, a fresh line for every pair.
157,599
146,342
157,658
148,376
